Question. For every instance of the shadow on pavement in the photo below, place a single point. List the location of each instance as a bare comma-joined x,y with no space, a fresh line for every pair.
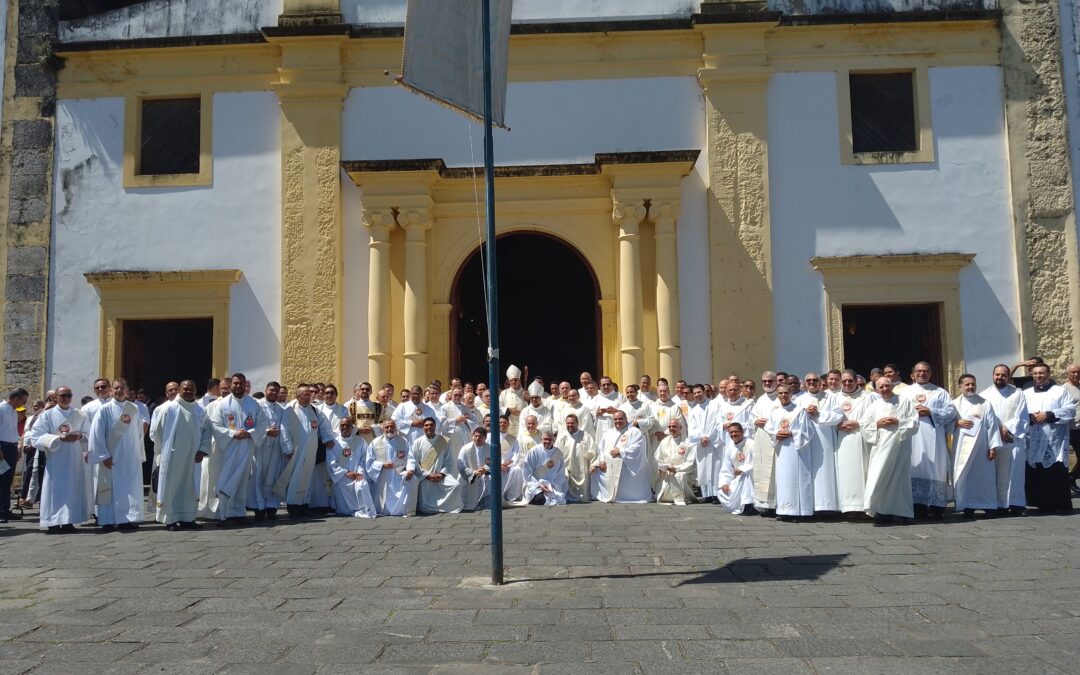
743,570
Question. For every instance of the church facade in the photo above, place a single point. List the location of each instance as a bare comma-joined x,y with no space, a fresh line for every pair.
688,188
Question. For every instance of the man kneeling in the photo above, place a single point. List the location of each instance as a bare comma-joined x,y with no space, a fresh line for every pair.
545,473
736,474
676,466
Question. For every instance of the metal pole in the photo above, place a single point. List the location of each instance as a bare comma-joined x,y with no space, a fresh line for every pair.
495,495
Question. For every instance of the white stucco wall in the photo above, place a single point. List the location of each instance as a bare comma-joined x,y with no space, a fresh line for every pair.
551,122
98,225
393,11
959,203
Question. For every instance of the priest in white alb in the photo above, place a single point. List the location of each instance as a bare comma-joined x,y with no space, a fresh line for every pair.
790,431
66,483
239,425
852,452
620,472
537,408
1050,412
824,415
737,473
762,448
436,461
409,416
545,473
976,443
1011,409
116,445
704,429
512,457
888,424
391,468
458,421
675,466
639,413
512,398
931,464
474,471
181,433
269,460
305,435
578,451
346,461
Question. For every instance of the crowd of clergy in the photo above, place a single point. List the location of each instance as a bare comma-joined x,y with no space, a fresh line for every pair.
827,446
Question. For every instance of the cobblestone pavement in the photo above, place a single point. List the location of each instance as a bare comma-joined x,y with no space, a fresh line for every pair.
593,588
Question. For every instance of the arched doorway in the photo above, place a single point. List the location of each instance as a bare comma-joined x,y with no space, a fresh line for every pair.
549,315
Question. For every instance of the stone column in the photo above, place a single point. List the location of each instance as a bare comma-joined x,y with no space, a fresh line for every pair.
1044,212
379,223
628,214
416,224
735,83
664,216
26,195
311,90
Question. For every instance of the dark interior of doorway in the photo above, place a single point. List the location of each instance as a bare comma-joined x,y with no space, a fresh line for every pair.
903,334
160,351
548,311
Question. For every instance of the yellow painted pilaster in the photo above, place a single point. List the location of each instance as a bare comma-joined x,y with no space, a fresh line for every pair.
735,82
416,224
379,223
664,215
628,213
439,361
311,90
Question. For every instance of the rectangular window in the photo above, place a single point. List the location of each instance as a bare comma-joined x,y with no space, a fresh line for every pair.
883,116
170,139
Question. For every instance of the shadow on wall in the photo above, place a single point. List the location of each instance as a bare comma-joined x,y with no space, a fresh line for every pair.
254,343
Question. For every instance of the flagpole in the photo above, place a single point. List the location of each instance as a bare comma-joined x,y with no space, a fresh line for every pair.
494,385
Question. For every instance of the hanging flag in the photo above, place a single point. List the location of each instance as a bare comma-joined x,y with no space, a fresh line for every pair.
444,54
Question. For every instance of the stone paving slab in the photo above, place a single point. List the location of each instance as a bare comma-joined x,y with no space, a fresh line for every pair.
591,589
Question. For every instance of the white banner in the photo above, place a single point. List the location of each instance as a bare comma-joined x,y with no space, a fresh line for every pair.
444,54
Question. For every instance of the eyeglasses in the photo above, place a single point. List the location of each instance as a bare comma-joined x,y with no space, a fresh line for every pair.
101,386
64,396
812,379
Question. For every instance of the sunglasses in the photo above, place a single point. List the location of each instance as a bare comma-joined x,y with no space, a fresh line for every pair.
65,395
102,386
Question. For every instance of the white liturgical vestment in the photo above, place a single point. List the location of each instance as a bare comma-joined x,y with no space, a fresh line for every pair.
975,474
66,483
794,481
180,430
888,476
627,478
1010,407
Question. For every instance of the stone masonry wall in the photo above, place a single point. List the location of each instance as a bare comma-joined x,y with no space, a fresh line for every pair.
1047,265
25,189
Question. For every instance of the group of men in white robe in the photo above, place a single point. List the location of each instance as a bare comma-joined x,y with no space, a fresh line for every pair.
892,450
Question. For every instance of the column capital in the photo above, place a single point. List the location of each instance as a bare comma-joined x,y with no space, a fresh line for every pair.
415,222
379,220
628,213
664,215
